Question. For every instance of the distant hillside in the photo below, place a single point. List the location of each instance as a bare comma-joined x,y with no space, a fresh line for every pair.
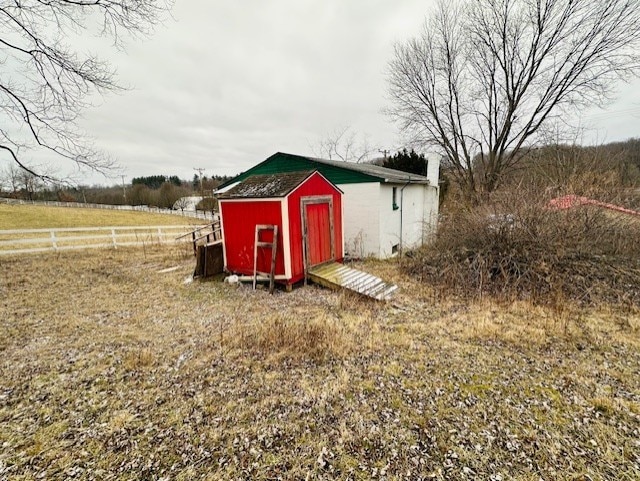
608,172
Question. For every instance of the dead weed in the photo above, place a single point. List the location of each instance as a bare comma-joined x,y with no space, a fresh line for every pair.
282,338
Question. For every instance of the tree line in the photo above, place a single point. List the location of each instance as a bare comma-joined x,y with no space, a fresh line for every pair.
155,190
556,168
484,83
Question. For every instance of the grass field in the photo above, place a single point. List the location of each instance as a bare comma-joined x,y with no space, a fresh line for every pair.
43,217
112,367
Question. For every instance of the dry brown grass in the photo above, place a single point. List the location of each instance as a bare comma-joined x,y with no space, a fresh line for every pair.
281,337
110,369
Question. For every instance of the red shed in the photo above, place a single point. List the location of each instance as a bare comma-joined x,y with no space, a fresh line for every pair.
295,202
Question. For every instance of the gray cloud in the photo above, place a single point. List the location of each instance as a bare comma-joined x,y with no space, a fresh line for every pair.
224,84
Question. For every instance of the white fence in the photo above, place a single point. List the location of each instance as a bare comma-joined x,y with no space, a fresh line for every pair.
139,208
42,240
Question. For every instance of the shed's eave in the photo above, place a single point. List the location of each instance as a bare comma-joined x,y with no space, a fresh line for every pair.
315,172
257,186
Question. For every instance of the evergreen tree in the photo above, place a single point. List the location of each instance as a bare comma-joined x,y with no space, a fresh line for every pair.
407,162
151,181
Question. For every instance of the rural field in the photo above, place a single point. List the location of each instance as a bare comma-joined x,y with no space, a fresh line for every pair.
45,217
34,228
112,367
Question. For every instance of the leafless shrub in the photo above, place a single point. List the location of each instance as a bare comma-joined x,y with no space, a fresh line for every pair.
517,247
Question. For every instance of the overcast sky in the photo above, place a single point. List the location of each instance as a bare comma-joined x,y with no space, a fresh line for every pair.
223,84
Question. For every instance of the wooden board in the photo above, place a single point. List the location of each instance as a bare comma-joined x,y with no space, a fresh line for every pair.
209,260
339,276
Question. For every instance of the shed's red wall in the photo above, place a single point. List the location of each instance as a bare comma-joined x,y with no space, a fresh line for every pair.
313,186
239,221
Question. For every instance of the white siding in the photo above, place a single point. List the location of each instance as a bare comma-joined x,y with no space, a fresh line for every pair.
389,219
431,212
360,205
372,226
413,215
417,211
433,168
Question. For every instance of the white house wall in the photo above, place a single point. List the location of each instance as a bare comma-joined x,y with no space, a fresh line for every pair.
372,225
431,210
361,219
389,220
417,211
413,215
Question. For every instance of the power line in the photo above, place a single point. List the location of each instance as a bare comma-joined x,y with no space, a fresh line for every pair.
612,114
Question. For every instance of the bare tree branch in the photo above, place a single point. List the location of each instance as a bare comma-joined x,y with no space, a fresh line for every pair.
486,76
342,144
44,84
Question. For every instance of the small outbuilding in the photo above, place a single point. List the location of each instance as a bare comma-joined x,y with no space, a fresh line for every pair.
304,207
385,210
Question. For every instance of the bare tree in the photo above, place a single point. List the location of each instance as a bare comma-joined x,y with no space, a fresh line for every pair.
343,144
168,194
182,203
30,184
44,83
486,77
10,179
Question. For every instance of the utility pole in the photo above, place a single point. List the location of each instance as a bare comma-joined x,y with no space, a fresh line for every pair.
384,152
124,190
200,171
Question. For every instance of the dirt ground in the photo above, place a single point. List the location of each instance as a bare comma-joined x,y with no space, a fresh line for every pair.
113,367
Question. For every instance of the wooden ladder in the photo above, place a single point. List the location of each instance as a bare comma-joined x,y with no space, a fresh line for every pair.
265,245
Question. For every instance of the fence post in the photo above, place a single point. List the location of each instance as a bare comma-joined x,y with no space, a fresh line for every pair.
53,240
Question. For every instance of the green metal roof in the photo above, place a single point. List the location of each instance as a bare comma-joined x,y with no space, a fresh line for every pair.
335,171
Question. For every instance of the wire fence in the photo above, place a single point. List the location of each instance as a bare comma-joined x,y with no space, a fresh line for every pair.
204,215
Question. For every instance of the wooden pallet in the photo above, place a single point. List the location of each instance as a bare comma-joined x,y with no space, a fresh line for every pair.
339,276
